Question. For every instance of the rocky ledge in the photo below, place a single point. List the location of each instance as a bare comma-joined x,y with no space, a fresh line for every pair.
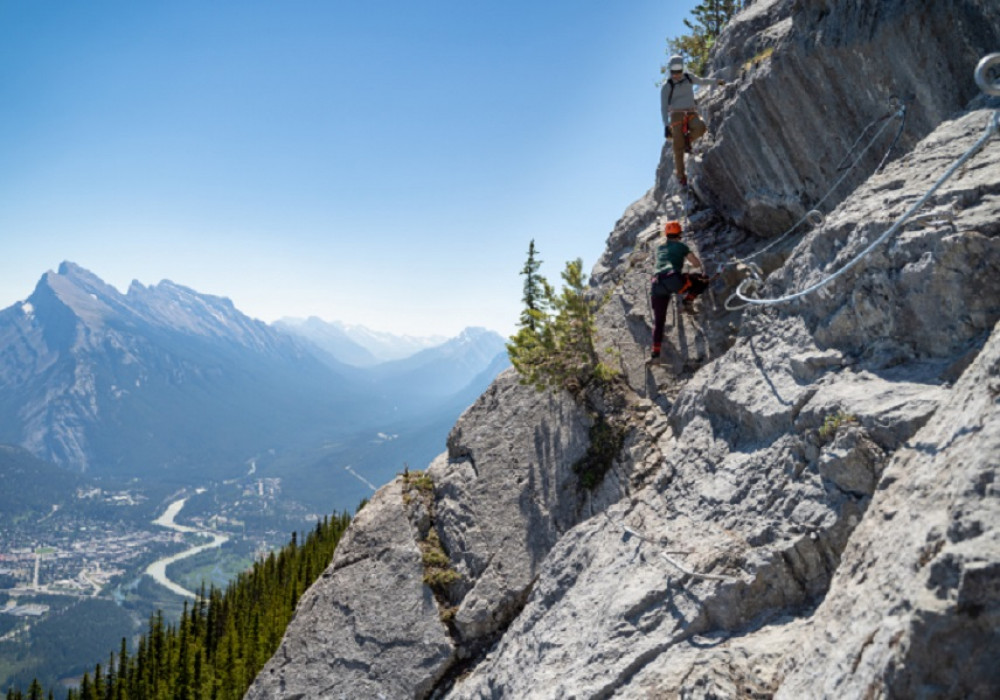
801,502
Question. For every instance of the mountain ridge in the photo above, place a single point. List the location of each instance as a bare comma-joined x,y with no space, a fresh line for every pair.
162,379
356,344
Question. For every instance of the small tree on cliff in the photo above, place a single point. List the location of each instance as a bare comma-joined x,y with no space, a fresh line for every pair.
573,326
534,289
554,345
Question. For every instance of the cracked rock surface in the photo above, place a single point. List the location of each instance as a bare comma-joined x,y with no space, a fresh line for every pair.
805,501
348,639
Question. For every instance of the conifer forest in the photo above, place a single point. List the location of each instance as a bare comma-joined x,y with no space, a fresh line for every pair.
221,640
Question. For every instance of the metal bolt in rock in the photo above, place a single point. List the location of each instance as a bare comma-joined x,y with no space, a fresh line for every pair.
988,74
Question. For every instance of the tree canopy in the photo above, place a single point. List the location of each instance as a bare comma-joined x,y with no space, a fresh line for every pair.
555,343
222,639
705,24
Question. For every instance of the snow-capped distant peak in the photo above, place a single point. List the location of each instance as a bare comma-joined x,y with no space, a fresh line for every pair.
383,346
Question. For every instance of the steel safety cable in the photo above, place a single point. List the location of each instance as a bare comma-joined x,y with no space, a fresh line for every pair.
992,127
812,214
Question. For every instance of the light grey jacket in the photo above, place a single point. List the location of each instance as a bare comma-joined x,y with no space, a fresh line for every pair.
683,97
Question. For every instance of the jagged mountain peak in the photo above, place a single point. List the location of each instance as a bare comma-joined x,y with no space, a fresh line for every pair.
78,274
79,292
471,347
77,296
470,336
472,333
184,309
85,365
74,280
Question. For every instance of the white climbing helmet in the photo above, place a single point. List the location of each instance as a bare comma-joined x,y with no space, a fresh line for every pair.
676,62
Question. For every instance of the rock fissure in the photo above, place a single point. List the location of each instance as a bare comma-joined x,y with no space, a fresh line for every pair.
622,678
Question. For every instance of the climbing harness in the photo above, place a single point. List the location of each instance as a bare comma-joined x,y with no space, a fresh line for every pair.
815,216
629,533
990,65
685,122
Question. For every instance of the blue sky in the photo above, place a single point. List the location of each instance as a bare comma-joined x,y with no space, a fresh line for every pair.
382,162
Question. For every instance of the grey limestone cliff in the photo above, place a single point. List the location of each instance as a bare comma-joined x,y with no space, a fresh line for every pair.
803,502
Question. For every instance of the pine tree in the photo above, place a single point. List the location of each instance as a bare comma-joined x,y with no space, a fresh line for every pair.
110,680
156,650
182,665
121,689
530,347
86,689
559,350
574,327
534,290
711,16
141,687
708,19
98,683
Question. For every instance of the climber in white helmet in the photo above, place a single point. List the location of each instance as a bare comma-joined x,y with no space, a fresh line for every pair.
681,121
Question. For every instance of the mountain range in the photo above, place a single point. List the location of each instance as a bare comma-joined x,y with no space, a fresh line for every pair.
357,345
171,385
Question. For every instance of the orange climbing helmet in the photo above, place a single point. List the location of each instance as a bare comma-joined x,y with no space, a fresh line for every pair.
672,228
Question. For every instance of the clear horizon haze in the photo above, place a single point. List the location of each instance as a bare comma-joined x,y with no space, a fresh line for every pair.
375,163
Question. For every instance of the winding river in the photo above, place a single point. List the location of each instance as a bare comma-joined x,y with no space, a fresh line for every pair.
158,569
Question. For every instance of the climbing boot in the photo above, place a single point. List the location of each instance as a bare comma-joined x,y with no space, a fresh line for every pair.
654,360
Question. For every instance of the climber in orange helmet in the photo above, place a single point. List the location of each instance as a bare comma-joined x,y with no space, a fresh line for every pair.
669,278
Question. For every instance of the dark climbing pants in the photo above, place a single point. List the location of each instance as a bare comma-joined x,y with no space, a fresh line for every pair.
689,284
660,306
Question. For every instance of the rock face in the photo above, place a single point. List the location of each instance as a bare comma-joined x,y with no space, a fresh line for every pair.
804,502
809,76
370,644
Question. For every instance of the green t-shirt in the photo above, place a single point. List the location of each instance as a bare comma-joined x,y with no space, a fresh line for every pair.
671,255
